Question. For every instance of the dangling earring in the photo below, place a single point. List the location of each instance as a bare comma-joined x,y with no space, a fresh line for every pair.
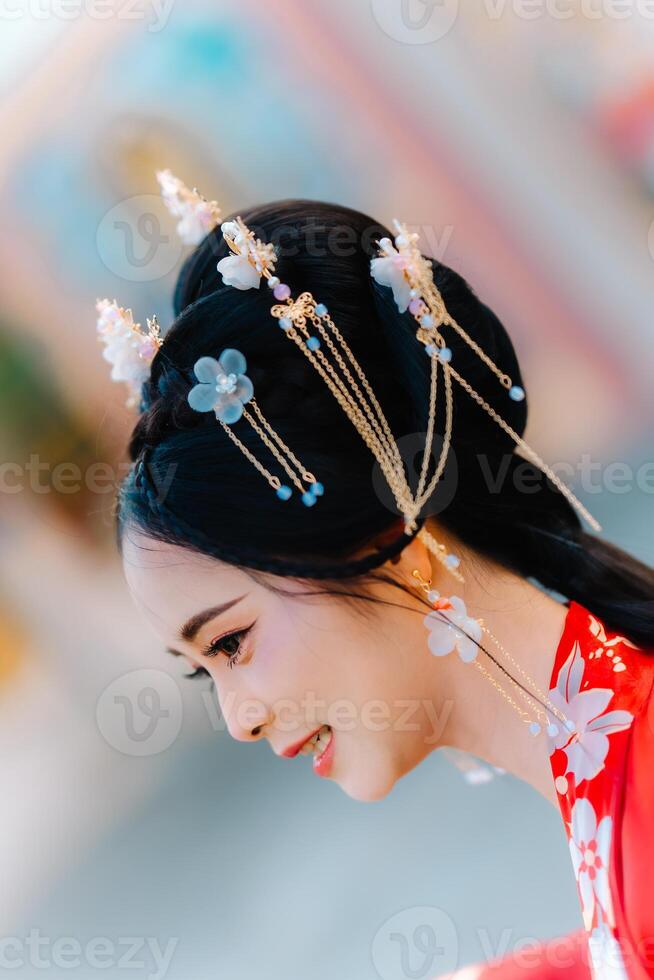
450,627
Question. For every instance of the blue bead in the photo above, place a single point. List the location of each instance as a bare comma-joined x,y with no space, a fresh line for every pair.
516,393
552,730
317,489
570,725
534,728
431,349
444,355
284,492
313,343
321,309
285,323
427,320
308,498
452,561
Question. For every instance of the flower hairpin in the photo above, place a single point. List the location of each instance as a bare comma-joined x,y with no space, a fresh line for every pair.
309,324
197,215
402,266
250,259
128,348
225,389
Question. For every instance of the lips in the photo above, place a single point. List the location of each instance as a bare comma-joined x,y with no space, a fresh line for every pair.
293,750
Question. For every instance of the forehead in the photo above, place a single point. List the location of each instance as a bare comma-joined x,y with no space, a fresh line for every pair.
170,584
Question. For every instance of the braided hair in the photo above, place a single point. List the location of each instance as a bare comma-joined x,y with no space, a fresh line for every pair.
191,486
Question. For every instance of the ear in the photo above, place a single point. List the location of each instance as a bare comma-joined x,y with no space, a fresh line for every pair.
387,536
413,555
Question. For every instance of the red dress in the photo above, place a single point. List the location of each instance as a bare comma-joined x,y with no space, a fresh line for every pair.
604,776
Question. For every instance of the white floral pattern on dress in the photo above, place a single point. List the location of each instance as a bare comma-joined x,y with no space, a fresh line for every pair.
588,745
607,960
590,848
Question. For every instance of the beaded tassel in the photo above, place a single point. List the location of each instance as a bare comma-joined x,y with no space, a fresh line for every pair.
225,389
309,325
401,265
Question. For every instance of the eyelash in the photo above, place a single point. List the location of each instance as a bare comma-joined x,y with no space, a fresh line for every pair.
216,647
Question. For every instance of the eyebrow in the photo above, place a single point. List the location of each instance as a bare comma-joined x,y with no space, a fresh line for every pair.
192,626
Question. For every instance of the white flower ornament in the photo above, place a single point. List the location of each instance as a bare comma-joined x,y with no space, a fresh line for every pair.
197,215
462,632
128,348
251,257
388,269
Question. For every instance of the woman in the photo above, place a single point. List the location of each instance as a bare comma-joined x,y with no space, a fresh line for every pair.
341,629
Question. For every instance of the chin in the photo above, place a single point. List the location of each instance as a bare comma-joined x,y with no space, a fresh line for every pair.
370,789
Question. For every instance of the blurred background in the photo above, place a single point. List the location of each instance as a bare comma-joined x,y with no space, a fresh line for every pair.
520,138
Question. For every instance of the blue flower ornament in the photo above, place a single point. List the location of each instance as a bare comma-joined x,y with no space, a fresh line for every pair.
223,387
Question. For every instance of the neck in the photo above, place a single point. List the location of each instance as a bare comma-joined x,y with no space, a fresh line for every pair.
529,624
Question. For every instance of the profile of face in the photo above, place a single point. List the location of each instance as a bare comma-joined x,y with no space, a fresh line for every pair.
285,665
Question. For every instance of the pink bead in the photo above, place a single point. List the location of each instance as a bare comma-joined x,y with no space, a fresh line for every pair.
148,348
282,291
415,306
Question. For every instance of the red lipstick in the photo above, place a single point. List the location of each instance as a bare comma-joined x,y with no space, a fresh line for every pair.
293,750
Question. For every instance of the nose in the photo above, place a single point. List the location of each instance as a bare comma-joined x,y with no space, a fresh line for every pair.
247,719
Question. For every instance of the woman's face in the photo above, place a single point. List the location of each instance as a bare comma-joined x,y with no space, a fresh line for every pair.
292,663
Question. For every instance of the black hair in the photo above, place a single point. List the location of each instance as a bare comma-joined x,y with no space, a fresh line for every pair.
191,486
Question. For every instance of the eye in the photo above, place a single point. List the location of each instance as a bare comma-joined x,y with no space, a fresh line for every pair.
230,645
199,672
